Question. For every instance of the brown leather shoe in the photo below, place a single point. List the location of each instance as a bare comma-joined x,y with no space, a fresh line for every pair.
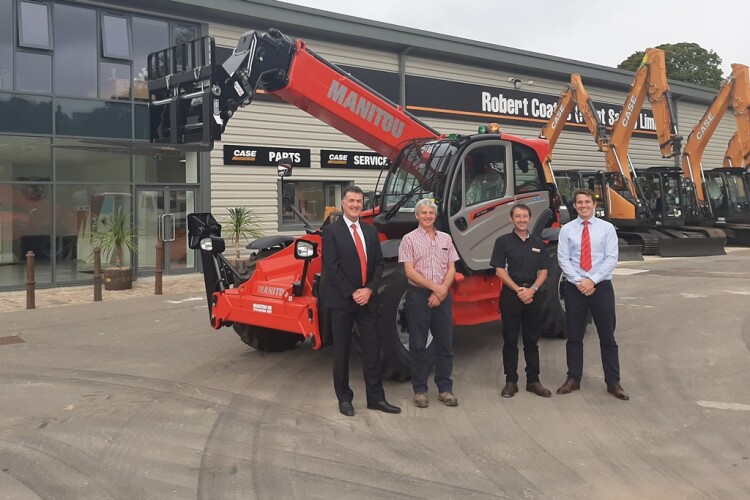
421,400
617,391
569,386
448,399
538,389
509,390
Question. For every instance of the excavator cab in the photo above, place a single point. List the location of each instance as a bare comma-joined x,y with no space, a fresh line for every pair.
727,191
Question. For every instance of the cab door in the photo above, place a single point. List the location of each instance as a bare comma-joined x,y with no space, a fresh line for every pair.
491,176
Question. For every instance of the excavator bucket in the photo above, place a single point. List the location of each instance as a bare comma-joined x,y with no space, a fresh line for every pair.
629,252
703,243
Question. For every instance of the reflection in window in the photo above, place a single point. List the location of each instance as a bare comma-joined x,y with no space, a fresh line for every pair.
93,118
82,210
25,226
26,114
25,159
75,51
82,165
114,81
6,44
34,72
149,35
34,25
315,199
115,37
161,169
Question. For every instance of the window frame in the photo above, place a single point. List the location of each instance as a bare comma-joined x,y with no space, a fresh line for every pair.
103,54
297,225
50,35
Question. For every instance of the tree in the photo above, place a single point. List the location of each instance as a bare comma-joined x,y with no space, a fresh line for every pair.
686,62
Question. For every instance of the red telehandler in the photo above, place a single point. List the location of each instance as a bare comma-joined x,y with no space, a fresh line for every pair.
192,97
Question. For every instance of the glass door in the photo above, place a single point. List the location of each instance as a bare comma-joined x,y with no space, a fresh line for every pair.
163,211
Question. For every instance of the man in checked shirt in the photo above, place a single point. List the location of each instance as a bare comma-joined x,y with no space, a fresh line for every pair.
429,261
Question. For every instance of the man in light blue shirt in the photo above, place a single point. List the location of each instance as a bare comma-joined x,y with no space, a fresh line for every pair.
587,252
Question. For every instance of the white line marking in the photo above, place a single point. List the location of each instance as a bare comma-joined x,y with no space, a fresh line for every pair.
738,292
724,406
190,299
627,272
693,296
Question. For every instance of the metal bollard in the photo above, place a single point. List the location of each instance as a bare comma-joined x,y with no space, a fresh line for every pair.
30,281
159,267
97,274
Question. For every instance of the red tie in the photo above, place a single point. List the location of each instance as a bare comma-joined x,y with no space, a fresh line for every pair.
361,253
585,247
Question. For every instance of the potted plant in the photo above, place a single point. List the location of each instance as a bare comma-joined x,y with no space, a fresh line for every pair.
241,222
113,235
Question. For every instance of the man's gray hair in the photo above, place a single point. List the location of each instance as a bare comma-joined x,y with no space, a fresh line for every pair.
425,202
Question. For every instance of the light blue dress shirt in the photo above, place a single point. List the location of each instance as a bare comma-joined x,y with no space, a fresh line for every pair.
604,250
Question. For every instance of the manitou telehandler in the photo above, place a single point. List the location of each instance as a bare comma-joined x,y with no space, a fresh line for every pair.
192,97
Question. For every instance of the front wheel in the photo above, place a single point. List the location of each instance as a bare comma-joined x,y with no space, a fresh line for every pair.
553,310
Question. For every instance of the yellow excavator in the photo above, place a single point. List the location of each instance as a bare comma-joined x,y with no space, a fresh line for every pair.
722,193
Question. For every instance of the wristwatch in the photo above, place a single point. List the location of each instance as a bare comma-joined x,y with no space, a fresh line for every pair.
534,288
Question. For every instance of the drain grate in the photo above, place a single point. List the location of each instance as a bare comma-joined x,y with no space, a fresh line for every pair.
14,339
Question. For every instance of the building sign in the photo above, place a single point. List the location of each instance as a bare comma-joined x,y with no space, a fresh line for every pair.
479,103
265,157
333,158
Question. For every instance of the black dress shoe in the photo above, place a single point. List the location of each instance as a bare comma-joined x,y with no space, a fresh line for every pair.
384,406
346,408
617,391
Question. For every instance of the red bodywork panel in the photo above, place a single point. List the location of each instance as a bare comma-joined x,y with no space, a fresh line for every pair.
347,106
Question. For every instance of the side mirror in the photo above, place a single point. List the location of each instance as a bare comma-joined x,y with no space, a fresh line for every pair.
283,169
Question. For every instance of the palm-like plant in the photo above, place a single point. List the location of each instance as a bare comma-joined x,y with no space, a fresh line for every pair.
241,222
114,234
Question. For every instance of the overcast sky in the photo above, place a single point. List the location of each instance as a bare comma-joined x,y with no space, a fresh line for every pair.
597,31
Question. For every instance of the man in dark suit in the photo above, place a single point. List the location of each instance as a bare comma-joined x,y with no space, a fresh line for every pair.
353,266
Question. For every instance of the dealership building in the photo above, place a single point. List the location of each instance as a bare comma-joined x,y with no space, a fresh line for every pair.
74,126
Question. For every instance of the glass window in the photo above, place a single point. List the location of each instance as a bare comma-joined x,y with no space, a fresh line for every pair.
161,169
33,72
25,225
81,209
485,175
34,25
315,199
149,35
78,165
115,37
75,51
6,44
182,34
93,118
142,125
114,81
25,159
26,114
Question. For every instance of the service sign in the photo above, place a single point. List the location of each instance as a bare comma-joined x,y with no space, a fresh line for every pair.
264,156
333,158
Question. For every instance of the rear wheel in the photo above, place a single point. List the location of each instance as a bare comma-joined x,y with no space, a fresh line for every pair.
554,306
267,339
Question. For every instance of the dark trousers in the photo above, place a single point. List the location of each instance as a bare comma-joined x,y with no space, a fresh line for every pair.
342,322
517,317
424,320
601,304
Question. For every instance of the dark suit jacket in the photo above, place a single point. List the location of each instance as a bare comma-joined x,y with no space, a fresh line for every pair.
341,264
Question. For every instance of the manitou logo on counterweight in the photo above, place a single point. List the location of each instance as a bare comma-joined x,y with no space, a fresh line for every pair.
366,109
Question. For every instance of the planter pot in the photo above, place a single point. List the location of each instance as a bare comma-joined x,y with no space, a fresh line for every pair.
118,278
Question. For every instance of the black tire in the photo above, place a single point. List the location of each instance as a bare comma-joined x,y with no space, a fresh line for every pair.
555,323
394,335
267,339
